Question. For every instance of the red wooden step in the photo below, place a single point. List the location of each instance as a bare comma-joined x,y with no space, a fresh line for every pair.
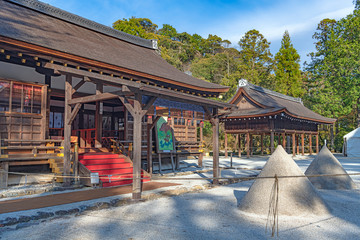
108,166
98,156
103,161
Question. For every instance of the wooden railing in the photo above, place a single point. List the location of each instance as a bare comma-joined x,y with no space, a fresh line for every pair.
190,147
86,137
33,152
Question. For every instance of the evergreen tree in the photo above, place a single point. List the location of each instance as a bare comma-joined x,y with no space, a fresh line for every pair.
141,27
256,57
288,78
334,72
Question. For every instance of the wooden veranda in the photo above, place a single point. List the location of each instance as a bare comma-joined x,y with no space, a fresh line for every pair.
88,73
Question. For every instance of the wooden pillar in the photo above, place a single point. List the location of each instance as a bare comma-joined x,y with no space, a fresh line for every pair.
262,143
288,144
138,112
186,130
293,145
226,141
137,130
201,155
4,175
98,117
317,143
283,140
47,82
149,146
332,139
67,129
248,145
302,144
272,142
239,144
251,143
216,170
45,115
297,145
310,144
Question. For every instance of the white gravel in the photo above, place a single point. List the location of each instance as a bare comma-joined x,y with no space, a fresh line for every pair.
212,214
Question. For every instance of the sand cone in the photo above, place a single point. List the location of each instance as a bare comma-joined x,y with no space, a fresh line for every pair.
297,196
326,163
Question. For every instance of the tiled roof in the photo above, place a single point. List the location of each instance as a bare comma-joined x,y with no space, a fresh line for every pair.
273,102
42,25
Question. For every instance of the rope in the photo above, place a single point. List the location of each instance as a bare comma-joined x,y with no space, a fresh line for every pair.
273,214
192,178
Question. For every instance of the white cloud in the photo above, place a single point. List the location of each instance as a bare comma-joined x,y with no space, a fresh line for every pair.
273,22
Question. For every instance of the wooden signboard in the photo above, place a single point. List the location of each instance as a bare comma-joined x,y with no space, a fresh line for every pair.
165,142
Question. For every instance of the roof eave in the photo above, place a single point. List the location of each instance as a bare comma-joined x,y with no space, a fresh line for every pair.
95,63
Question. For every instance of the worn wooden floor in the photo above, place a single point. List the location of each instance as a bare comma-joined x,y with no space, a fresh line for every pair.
71,197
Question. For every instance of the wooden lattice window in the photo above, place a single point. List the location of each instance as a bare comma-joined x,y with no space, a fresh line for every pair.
19,97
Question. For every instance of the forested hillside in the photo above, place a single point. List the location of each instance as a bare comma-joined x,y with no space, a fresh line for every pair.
329,84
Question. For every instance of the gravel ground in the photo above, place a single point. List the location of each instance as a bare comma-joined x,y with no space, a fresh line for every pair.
210,214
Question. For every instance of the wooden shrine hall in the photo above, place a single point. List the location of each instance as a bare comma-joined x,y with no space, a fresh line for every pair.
265,114
65,77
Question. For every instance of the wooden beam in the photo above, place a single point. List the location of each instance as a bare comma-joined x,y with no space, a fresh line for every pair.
207,113
114,81
74,112
126,103
181,97
310,144
317,143
145,89
79,85
149,104
266,131
93,98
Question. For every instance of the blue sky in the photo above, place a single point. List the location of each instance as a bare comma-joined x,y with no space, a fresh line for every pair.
228,19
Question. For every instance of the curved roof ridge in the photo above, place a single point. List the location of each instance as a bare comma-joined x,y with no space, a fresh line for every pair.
84,22
276,94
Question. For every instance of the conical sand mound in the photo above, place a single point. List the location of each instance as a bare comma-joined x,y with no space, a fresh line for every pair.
297,196
326,163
